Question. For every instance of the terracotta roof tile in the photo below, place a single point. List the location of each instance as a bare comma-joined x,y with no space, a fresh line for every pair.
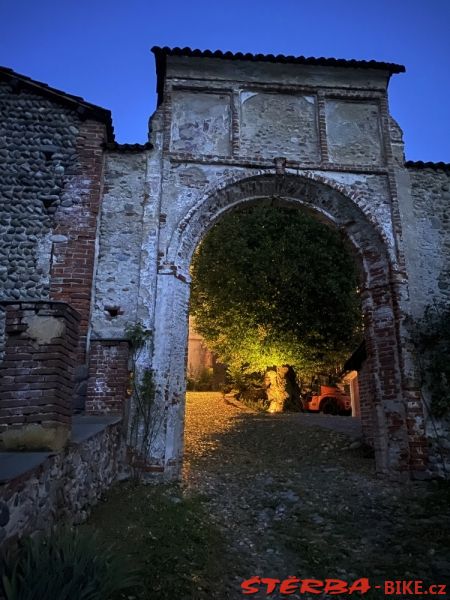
420,164
162,52
115,147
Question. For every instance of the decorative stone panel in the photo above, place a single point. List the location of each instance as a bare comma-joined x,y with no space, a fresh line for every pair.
279,125
201,123
353,132
37,375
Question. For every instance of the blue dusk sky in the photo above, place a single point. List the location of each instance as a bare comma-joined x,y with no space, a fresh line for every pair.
100,49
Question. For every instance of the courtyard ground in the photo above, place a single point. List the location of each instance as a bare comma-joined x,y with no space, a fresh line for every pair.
274,496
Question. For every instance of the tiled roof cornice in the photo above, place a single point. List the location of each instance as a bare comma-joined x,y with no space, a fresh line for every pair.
115,147
162,52
419,164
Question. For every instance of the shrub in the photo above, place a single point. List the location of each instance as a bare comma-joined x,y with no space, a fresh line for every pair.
203,382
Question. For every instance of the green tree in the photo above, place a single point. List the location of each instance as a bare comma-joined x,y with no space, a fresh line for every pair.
274,287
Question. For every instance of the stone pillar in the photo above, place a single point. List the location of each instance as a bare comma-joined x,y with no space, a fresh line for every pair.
36,375
108,377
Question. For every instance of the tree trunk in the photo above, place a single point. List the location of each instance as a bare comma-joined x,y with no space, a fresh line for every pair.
282,389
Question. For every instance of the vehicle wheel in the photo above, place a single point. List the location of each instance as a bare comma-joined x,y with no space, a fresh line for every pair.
330,406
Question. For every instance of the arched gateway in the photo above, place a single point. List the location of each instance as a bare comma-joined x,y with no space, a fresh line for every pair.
97,237
385,402
231,130
104,234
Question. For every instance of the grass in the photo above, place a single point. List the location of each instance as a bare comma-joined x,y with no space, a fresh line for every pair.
169,538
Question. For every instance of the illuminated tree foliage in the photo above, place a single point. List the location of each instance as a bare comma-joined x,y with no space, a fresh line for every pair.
274,286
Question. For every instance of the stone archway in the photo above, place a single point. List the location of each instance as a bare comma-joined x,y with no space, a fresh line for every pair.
395,437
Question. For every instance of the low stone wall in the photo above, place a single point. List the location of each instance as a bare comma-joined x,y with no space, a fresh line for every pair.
63,486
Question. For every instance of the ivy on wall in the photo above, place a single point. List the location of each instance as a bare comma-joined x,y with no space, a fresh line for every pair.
145,421
431,338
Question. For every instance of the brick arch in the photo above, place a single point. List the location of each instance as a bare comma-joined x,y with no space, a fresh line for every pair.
398,446
325,197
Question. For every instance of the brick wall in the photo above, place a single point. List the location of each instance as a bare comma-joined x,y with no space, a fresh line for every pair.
37,375
108,377
73,258
366,401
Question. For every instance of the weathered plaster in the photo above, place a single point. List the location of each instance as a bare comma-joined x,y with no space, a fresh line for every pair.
353,130
215,139
120,239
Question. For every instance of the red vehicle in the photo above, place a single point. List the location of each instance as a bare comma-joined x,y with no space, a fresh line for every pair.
331,400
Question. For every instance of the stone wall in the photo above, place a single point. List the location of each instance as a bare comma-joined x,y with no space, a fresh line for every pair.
63,487
38,153
120,243
37,148
51,151
427,248
427,236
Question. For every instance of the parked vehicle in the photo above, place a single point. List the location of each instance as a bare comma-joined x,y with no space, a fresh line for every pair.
330,399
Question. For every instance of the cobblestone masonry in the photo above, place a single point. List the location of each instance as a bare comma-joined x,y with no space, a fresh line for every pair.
37,146
37,150
51,160
219,126
64,487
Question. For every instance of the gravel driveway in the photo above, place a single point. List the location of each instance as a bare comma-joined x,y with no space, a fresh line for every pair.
294,497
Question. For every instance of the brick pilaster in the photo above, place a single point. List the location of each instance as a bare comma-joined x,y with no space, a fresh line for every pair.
36,375
73,260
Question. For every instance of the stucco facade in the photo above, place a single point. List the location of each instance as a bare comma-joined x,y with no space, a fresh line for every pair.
231,130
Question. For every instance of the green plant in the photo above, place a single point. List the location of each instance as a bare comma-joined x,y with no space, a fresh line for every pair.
170,537
66,565
202,382
274,287
146,420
